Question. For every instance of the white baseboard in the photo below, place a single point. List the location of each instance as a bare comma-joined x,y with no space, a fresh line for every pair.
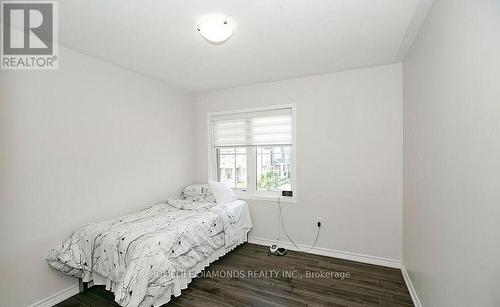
391,263
57,297
409,285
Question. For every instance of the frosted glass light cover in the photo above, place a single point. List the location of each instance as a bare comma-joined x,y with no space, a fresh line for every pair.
216,30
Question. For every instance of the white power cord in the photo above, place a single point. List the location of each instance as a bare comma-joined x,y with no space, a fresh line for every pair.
288,236
279,224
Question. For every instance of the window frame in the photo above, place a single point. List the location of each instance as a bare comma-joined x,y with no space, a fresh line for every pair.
252,192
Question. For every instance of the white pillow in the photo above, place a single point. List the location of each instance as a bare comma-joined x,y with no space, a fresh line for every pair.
222,192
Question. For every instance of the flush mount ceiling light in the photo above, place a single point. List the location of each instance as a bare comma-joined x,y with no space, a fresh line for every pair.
216,30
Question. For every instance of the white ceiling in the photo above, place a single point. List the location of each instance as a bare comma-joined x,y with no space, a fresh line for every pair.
274,39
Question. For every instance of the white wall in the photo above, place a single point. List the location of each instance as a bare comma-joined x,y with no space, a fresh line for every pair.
84,143
452,156
349,135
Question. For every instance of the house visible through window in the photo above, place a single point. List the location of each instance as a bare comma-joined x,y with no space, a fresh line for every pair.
273,168
254,151
232,166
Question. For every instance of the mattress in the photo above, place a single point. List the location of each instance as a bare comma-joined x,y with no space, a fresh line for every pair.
148,256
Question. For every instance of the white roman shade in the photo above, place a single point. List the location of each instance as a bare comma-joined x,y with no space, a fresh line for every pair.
270,127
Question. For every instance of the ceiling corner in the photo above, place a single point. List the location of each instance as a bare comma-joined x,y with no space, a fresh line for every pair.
421,10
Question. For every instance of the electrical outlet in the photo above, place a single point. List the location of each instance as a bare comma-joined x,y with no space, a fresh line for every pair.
319,221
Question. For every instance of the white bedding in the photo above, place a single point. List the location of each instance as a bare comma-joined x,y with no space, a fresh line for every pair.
240,209
146,257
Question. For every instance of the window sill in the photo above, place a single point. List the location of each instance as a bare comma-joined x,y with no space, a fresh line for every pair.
267,198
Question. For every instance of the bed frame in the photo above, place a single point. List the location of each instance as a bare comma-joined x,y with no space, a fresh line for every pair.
82,286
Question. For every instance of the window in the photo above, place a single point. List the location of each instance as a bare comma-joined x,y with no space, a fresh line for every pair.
273,168
232,166
254,151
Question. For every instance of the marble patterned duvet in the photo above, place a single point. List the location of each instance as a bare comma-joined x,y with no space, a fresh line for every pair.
140,255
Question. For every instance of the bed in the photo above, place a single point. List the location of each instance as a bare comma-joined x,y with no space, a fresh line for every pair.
148,256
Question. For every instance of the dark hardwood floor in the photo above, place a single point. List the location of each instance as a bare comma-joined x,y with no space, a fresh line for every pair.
292,280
